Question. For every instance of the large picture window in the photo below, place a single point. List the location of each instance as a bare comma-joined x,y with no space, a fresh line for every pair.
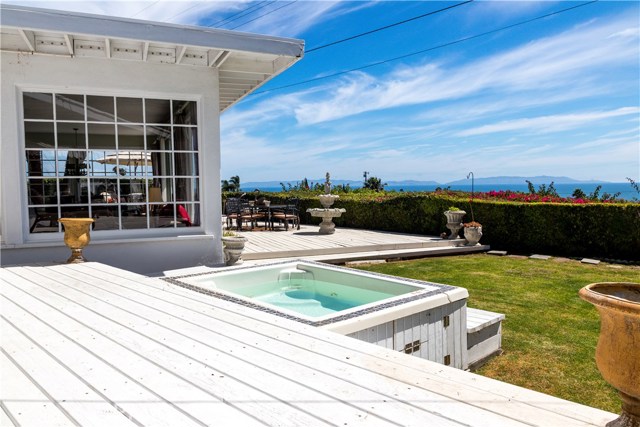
129,163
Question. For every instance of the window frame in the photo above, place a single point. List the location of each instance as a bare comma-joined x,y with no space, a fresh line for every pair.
120,232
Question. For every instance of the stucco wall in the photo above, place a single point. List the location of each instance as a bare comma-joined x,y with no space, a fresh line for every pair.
147,252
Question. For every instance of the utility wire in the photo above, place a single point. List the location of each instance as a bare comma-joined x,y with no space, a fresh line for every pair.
265,14
464,39
178,14
247,10
386,27
139,12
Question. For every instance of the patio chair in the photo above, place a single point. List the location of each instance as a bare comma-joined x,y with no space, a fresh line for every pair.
239,209
290,213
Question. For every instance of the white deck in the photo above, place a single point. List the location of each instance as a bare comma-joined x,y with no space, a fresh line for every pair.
92,345
346,244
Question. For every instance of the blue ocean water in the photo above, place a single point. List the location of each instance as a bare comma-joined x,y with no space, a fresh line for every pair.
564,190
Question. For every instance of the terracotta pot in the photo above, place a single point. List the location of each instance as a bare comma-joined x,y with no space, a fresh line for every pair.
76,236
618,350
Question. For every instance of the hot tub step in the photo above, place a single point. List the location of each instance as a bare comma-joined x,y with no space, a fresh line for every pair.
484,336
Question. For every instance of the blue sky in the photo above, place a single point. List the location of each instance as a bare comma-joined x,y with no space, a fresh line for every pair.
556,96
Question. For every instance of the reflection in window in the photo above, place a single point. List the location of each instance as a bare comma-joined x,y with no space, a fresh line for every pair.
99,158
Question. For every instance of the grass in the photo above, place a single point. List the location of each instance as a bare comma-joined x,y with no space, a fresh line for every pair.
550,334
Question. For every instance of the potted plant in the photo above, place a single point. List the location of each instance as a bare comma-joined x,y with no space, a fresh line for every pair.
232,246
472,232
454,220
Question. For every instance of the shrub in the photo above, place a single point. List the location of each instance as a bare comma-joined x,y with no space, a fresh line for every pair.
604,230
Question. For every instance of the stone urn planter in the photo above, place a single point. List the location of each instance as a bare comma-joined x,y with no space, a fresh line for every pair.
473,233
454,221
232,247
618,349
76,236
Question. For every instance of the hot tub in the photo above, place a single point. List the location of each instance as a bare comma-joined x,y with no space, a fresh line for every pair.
420,318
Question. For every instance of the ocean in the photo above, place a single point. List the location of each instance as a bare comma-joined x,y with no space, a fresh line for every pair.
564,190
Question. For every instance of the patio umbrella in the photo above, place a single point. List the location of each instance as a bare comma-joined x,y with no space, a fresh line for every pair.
127,158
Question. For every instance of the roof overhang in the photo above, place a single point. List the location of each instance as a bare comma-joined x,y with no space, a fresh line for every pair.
244,61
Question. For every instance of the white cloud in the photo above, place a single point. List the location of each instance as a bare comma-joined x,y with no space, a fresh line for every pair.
551,64
548,124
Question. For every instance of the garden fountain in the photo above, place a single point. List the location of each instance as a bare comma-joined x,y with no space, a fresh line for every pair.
327,213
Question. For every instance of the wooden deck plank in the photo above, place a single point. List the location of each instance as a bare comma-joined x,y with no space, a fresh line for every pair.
161,330
21,398
322,368
270,373
162,369
125,382
478,390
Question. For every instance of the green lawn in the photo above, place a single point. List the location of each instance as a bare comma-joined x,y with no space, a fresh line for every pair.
550,334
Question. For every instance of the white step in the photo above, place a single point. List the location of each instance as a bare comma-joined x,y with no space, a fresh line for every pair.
484,336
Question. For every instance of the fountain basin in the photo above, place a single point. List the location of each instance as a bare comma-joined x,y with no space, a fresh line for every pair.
327,225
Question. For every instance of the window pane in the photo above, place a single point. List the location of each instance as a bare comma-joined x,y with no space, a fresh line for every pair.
102,163
190,216
102,137
71,136
38,105
161,164
103,191
187,189
185,139
185,113
72,163
43,220
41,163
106,217
161,190
100,109
129,110
134,216
162,216
74,212
186,164
39,135
69,107
42,192
158,138
130,137
74,191
158,111
133,190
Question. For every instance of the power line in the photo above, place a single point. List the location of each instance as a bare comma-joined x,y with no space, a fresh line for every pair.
464,39
248,10
180,13
263,15
139,12
387,27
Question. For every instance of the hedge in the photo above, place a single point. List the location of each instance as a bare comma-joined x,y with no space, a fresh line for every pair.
598,230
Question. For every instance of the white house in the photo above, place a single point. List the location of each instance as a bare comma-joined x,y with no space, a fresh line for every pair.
118,120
